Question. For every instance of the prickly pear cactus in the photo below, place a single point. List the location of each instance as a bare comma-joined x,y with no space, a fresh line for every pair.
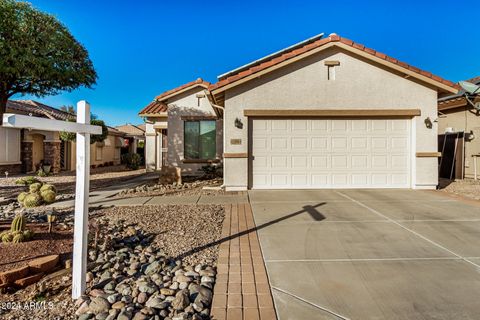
18,223
7,237
48,186
21,197
35,187
32,200
18,238
48,196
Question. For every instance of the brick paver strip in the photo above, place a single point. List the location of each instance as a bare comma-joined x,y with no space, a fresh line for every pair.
242,290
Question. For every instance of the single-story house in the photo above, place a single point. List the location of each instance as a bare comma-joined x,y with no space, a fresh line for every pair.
459,131
23,150
183,129
324,113
134,137
104,153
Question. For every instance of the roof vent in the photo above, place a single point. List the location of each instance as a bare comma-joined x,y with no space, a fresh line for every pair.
332,34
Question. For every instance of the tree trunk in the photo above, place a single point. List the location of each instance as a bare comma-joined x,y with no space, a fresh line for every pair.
3,107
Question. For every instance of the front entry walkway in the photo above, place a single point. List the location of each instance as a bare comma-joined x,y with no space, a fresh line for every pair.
370,254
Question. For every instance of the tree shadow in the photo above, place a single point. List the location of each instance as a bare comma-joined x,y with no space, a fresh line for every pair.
311,210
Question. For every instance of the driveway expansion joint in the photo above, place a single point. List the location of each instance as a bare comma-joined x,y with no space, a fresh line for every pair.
408,229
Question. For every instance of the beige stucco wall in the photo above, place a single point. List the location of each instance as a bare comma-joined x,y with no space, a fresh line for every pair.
187,104
9,146
461,119
109,152
304,85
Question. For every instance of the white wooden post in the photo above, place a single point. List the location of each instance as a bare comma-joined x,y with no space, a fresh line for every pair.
80,243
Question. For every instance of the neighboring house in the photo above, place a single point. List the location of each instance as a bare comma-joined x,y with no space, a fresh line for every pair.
459,131
22,150
183,129
325,113
103,153
134,136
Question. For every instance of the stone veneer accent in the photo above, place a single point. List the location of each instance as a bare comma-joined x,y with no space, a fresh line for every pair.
26,154
11,168
51,154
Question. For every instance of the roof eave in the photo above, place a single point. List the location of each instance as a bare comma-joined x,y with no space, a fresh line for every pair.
442,87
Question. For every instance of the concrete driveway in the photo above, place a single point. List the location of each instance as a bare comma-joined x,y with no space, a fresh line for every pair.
370,254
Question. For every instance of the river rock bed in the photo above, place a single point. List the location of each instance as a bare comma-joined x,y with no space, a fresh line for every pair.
129,276
190,186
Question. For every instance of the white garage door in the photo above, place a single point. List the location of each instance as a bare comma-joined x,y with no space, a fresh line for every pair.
330,153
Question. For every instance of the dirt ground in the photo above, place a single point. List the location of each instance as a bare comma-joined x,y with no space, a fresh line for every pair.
65,181
43,243
468,188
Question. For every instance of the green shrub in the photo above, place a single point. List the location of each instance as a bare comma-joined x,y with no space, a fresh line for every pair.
132,160
27,181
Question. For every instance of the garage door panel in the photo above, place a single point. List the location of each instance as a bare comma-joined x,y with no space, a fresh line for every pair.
330,153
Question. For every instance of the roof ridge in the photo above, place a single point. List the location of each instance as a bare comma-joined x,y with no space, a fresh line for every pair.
198,81
319,43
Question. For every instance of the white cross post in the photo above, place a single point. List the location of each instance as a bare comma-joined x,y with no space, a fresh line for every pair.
80,235
83,129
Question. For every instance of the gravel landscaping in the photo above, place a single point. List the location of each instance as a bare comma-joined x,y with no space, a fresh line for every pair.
468,188
144,266
189,186
65,180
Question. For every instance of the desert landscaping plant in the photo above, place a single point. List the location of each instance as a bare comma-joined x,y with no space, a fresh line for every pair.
37,195
17,232
51,218
26,181
132,160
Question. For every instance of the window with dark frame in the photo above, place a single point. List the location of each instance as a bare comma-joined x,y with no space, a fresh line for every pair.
200,140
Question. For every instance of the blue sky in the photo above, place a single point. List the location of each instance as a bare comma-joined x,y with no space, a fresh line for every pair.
142,48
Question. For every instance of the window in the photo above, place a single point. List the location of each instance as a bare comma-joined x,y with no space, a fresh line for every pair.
99,154
200,140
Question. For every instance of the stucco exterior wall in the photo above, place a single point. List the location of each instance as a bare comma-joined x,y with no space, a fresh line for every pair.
110,152
188,105
304,84
461,119
9,146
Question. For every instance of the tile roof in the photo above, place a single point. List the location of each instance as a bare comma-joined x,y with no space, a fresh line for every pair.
34,108
198,82
154,107
331,38
131,129
457,99
158,106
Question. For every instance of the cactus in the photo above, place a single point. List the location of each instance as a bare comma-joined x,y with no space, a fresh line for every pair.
21,197
18,223
35,187
27,235
48,186
7,237
18,238
48,196
32,200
